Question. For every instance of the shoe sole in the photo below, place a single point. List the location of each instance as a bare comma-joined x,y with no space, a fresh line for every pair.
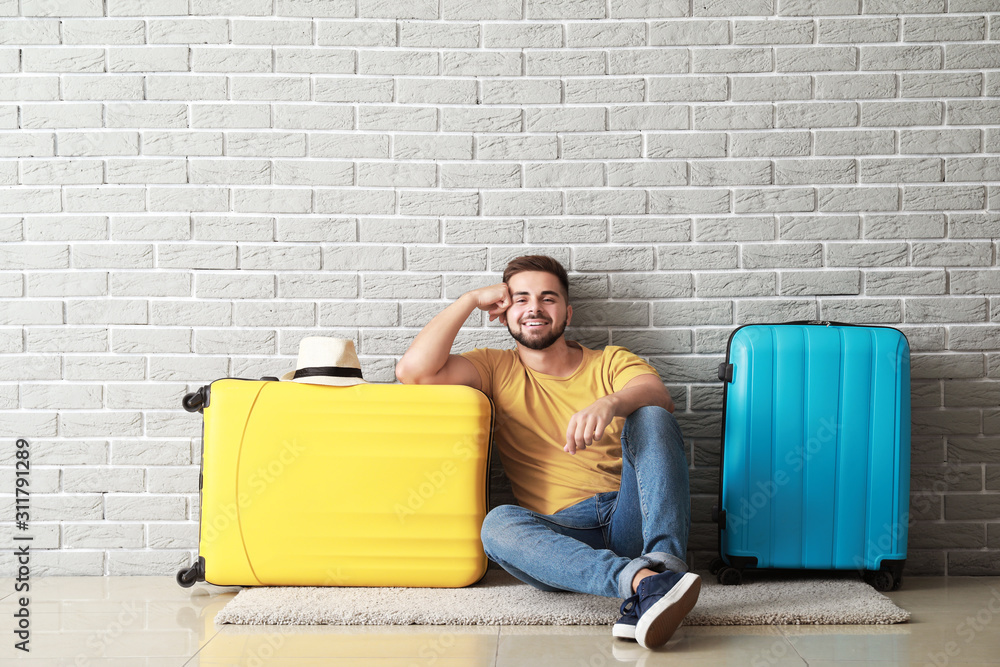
658,624
623,631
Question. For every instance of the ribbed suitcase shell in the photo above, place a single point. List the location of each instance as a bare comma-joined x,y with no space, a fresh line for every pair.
816,447
370,485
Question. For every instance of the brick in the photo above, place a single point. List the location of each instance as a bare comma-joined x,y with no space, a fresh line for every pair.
614,259
688,88
234,341
370,314
230,59
522,35
892,114
500,257
969,56
62,339
200,256
181,313
401,286
855,86
734,229
314,61
31,31
279,257
683,145
944,84
404,230
75,283
649,61
906,57
517,147
522,202
816,7
687,257
973,169
904,282
858,199
597,146
397,62
412,202
587,91
770,144
815,59
823,228
854,142
142,340
858,30
184,87
964,394
566,230
816,114
825,283
602,35
151,228
272,200
782,255
481,120
182,143
905,170
643,174
381,174
689,201
951,365
349,146
564,63
733,8
651,285
871,254
734,117
732,60
904,226
688,32
729,284
103,31
763,88
606,313
255,313
773,31
363,258
101,87
972,225
952,253
418,119
27,88
731,172
973,112
814,171
698,312
947,309
565,9
755,311
62,59
943,197
230,115
609,202
475,63
373,202
323,229
650,230
118,256
862,311
944,29
240,285
474,11
764,200
479,231
462,175
542,175
939,141
436,91
30,200
648,8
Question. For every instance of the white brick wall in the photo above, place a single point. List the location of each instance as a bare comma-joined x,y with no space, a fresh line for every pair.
189,188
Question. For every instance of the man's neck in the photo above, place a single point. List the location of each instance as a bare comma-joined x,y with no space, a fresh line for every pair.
559,359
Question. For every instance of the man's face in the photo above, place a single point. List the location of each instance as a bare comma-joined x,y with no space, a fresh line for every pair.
538,314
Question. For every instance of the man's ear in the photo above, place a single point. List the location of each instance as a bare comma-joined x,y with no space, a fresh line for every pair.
569,314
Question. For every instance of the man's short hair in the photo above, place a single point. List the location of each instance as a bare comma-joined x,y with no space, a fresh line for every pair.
538,263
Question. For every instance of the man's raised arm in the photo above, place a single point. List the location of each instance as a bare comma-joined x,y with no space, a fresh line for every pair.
429,359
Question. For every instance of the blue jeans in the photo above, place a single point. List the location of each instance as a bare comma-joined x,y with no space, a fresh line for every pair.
598,545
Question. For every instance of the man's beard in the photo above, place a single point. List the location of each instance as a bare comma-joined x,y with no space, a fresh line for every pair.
536,343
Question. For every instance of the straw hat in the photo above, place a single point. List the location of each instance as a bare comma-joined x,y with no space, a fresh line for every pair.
330,361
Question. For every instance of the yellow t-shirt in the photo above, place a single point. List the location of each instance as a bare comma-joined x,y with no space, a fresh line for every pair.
532,412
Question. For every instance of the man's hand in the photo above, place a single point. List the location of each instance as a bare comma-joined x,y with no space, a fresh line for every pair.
588,425
494,299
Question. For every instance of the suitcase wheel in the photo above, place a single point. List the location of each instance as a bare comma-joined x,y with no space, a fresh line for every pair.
730,576
882,580
716,565
194,401
189,576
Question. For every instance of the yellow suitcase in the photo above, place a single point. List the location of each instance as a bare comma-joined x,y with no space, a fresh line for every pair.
368,485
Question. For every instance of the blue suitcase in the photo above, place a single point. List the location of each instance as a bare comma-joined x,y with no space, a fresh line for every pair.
815,470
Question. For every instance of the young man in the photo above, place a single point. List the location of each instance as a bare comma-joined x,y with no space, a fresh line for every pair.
593,453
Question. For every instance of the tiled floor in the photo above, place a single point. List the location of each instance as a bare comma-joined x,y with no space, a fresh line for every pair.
150,621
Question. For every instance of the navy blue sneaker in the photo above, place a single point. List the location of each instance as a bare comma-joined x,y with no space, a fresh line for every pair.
664,600
624,627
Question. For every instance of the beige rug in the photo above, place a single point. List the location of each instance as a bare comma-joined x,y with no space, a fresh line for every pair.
499,599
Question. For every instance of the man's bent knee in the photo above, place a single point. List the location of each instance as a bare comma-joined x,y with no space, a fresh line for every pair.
497,524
